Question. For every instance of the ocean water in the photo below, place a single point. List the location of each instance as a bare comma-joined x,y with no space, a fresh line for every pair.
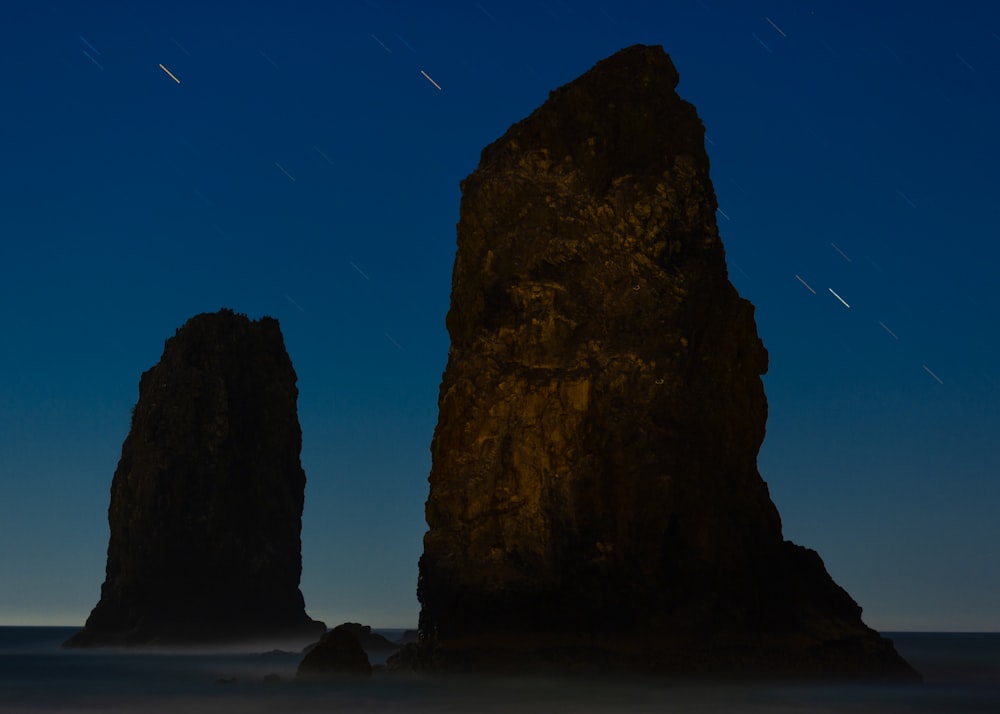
961,671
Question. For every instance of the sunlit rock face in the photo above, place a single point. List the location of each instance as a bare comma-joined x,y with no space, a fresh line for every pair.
206,502
594,494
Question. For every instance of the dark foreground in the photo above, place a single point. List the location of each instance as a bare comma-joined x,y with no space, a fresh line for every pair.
961,671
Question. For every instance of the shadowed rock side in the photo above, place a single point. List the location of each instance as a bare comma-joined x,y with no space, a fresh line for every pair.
338,655
594,495
375,645
206,502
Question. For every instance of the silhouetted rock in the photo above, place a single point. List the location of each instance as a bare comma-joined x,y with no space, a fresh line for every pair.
594,495
372,642
338,654
206,502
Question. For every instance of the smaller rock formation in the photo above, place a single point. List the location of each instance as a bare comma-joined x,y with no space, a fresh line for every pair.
337,655
373,643
206,502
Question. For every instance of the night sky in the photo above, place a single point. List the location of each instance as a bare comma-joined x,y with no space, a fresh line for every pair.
302,160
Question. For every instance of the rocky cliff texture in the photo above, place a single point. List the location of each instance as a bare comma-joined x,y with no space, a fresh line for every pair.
594,495
206,502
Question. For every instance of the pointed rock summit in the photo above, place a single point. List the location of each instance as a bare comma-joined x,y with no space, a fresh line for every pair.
206,502
594,495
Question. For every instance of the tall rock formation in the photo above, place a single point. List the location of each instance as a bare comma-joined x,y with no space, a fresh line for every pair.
594,494
206,502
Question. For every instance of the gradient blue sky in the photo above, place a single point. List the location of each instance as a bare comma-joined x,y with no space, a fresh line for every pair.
304,168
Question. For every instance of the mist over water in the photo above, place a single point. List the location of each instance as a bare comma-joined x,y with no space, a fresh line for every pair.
962,673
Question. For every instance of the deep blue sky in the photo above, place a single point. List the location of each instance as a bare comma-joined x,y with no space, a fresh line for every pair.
304,168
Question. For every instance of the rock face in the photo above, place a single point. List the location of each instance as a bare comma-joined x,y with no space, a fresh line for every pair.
337,655
206,502
594,494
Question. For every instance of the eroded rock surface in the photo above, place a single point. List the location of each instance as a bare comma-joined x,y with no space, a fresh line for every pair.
594,494
206,502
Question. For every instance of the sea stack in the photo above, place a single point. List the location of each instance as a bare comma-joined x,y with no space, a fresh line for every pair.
206,502
594,493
